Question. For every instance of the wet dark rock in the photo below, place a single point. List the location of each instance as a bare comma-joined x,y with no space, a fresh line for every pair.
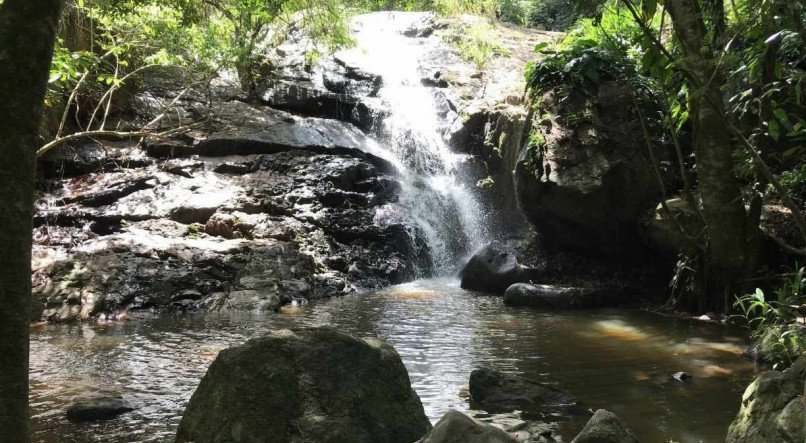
605,427
589,185
495,391
558,297
329,385
682,376
455,427
773,408
494,269
97,408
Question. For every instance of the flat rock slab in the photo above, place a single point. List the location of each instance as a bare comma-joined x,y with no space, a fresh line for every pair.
496,392
97,408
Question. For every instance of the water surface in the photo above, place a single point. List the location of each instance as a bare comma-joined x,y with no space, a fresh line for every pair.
615,359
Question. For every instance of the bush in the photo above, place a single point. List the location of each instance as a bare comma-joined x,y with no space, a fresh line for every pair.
768,319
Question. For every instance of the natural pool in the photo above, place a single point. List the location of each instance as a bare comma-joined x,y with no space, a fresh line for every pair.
616,359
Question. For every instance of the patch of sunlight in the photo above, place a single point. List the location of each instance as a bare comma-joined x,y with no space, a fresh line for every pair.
715,371
700,347
292,309
410,292
619,330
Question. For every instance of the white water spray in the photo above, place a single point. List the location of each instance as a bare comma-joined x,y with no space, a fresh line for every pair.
432,197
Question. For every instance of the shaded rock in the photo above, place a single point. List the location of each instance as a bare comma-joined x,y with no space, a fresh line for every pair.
773,408
663,229
494,269
495,391
553,297
97,408
588,184
456,427
682,376
605,427
314,384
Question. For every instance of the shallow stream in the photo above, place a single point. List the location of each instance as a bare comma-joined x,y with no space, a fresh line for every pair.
614,359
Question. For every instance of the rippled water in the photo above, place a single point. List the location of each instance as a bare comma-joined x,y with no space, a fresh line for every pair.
619,360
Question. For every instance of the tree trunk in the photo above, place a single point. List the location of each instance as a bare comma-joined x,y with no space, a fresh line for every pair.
27,33
723,207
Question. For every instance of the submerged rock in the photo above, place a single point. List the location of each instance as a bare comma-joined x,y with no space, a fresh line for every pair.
97,408
456,427
554,297
495,391
315,384
773,408
494,269
605,427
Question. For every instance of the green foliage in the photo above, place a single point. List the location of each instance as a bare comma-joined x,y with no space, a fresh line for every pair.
763,316
486,182
455,8
477,41
560,15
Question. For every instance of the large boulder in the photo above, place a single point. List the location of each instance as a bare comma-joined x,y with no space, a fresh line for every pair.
773,408
495,391
494,269
456,427
605,427
584,179
304,385
558,297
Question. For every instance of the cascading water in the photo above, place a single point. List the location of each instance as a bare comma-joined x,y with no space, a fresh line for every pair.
433,197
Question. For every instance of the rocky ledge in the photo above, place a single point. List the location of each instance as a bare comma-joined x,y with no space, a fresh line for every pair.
255,209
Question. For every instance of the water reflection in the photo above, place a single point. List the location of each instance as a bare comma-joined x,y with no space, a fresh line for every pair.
614,359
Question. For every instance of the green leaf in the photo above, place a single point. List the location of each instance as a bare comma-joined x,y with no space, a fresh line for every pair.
540,47
648,8
774,129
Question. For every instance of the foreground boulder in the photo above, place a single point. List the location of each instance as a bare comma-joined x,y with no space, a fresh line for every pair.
305,385
557,297
494,269
773,408
605,427
456,427
496,392
97,408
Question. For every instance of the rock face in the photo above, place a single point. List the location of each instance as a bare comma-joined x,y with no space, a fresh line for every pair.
494,269
295,182
586,183
496,392
605,427
773,408
97,408
305,385
456,427
558,297
257,208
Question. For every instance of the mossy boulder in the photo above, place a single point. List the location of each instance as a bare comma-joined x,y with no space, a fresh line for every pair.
605,427
305,385
584,177
456,427
773,408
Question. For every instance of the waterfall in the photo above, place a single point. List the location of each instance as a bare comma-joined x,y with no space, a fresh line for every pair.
433,196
